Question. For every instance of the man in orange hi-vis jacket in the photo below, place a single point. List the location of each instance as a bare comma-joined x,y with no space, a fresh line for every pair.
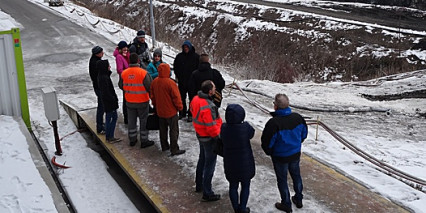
136,84
207,123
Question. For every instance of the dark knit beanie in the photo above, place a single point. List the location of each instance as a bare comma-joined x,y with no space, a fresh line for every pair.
158,52
141,34
122,44
96,50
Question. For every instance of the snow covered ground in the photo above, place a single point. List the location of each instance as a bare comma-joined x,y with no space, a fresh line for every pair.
396,137
22,188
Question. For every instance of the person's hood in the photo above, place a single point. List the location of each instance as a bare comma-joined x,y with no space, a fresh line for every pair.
234,114
116,52
163,70
188,43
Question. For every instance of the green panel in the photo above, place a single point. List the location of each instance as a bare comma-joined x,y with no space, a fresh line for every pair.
21,77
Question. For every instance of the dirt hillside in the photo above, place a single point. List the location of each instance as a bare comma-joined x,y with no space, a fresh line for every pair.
311,48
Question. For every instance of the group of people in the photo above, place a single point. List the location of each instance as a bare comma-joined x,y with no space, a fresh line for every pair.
141,84
281,139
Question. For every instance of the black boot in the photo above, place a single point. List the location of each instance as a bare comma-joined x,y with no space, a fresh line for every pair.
213,197
283,207
146,144
247,210
181,115
298,203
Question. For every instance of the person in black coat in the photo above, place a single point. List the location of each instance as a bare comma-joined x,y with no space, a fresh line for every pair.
97,54
238,158
184,64
205,72
109,99
140,47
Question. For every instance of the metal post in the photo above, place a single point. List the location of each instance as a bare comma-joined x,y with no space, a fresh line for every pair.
57,141
316,134
152,24
230,88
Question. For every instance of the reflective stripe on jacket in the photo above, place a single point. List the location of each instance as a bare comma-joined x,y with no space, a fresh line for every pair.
133,87
206,119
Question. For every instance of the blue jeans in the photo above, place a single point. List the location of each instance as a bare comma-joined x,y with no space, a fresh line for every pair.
205,168
281,173
99,112
110,121
233,195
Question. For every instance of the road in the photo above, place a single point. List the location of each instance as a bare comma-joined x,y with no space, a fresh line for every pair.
51,44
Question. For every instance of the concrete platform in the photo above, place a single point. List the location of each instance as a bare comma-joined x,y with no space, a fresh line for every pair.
170,189
160,179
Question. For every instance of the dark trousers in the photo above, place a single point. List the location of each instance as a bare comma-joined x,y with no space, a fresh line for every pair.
205,168
244,195
134,112
281,173
164,124
99,112
183,90
110,122
125,110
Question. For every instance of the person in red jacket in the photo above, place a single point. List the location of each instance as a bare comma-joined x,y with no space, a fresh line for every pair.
166,100
207,123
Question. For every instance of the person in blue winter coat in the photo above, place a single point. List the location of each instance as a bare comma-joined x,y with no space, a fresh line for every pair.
282,139
238,158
